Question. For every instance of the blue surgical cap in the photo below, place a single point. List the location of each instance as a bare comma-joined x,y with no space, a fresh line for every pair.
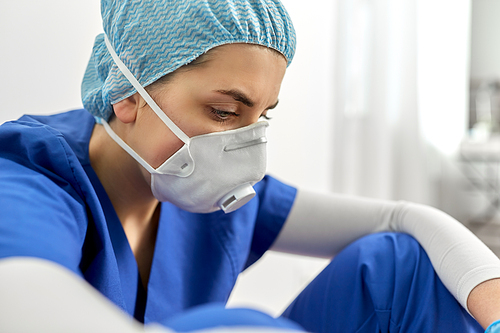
155,37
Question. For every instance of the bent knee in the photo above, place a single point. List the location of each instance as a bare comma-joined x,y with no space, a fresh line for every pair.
387,243
381,252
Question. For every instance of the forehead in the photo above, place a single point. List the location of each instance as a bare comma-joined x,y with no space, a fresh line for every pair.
227,54
230,62
252,70
249,65
242,58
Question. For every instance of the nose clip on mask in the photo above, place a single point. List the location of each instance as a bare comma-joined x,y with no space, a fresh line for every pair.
209,172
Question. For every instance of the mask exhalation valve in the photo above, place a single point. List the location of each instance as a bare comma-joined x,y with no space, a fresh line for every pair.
236,198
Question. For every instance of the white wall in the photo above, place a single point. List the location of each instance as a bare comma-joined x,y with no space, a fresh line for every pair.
485,48
45,46
443,72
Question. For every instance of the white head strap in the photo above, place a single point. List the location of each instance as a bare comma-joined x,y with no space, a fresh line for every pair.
181,163
173,127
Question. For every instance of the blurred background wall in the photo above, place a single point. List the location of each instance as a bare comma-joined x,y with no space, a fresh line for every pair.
45,46
376,102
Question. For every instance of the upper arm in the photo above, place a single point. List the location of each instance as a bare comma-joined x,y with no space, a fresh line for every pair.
40,216
322,224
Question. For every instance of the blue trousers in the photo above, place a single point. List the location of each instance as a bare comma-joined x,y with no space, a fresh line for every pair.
381,283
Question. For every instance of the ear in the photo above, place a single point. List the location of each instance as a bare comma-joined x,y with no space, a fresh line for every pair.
126,110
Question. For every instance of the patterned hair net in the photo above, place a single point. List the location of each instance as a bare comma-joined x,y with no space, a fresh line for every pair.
155,37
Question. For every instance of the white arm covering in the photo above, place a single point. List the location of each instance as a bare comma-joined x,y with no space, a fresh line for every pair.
40,296
323,224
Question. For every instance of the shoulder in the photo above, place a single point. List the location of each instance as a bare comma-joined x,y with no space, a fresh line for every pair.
44,188
47,145
275,195
72,128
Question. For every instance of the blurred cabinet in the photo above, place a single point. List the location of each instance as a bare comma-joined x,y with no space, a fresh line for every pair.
480,164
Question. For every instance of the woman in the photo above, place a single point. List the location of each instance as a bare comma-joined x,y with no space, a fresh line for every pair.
147,195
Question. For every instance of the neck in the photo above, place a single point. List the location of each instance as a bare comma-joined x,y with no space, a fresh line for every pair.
128,188
125,181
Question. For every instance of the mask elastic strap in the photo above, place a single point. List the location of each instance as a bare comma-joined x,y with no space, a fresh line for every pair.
125,146
130,77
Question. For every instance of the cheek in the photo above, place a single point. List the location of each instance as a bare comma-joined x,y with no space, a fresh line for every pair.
157,143
164,148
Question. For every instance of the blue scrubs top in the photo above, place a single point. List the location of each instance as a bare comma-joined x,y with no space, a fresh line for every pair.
53,206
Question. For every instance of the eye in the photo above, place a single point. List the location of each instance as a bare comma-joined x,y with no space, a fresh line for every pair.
222,116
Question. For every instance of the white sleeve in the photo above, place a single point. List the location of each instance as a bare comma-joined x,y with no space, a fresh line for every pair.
40,296
322,224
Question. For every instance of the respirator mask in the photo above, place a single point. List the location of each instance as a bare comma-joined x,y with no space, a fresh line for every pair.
209,172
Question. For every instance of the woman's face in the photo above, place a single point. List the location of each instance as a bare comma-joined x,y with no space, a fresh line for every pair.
236,86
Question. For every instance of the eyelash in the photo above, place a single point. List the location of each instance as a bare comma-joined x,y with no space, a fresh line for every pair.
223,116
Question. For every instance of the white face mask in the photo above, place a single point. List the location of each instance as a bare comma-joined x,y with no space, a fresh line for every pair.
211,171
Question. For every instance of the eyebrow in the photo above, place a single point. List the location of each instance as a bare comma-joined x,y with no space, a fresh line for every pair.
241,97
